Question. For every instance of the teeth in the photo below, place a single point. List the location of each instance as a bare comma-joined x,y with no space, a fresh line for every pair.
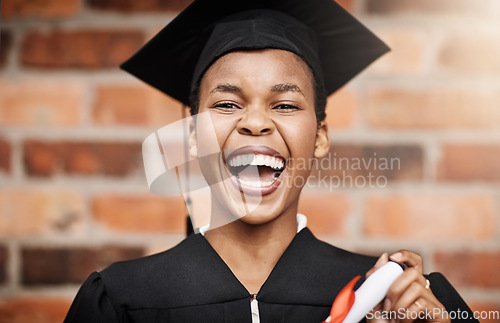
258,160
248,159
267,160
257,184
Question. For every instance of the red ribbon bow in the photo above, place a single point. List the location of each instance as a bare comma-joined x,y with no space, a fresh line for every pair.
342,303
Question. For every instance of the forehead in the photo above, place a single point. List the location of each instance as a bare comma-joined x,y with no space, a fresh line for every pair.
265,65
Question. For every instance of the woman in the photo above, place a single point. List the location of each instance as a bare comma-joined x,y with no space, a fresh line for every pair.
261,72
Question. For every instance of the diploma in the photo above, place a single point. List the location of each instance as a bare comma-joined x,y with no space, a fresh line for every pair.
352,306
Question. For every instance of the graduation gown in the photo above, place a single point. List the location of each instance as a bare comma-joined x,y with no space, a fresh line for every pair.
191,283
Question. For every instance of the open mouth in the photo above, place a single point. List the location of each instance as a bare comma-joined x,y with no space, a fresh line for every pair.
256,170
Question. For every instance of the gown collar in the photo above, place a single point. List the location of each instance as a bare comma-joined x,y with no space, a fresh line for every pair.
309,272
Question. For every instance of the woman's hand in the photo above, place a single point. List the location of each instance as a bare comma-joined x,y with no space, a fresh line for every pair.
410,298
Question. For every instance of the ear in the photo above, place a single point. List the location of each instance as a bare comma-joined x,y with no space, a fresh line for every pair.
193,149
322,144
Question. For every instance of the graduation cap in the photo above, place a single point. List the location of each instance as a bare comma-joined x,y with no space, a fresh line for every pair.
330,40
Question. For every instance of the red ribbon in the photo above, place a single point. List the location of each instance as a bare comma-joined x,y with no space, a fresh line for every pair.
343,302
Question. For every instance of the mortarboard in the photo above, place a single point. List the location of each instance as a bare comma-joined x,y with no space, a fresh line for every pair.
334,44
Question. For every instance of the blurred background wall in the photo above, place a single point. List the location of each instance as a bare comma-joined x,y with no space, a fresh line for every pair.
73,196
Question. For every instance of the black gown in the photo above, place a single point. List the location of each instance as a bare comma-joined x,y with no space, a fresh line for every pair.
191,283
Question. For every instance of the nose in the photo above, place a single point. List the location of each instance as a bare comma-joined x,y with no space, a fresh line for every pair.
255,122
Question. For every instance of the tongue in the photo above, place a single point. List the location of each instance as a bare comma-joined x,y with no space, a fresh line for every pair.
257,173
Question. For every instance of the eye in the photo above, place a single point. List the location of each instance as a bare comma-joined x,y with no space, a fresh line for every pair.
286,108
226,106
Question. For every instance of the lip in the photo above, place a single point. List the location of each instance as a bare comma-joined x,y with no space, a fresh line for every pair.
256,150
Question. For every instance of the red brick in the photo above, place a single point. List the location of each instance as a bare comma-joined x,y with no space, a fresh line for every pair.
368,166
82,158
5,45
433,108
42,9
41,103
341,110
30,212
44,266
5,155
488,312
139,6
441,7
471,52
470,268
149,214
46,309
134,105
90,49
327,213
115,158
40,158
3,264
469,162
346,4
430,217
407,55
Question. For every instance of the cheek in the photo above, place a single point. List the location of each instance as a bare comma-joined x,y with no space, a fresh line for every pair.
223,130
220,126
300,136
217,132
306,146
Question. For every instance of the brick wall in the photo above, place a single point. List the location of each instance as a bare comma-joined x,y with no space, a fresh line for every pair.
73,196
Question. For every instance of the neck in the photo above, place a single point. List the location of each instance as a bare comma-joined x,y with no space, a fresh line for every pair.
252,250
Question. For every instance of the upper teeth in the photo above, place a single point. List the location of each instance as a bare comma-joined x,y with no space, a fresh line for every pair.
259,160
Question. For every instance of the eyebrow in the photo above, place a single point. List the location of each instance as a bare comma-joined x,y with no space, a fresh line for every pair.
287,87
280,88
226,88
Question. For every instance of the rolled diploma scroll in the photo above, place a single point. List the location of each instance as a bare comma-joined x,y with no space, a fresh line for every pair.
373,291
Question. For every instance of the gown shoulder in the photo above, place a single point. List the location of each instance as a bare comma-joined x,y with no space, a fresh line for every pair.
92,303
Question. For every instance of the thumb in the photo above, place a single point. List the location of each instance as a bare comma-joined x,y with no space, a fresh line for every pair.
382,260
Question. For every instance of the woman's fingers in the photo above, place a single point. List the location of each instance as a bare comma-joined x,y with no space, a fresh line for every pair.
409,277
408,258
409,297
382,260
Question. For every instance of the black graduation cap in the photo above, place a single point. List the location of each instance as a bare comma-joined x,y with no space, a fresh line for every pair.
334,44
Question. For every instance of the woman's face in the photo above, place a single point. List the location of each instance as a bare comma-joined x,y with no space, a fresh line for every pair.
261,106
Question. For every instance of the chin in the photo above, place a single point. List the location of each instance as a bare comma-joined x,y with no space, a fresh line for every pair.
262,215
259,219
